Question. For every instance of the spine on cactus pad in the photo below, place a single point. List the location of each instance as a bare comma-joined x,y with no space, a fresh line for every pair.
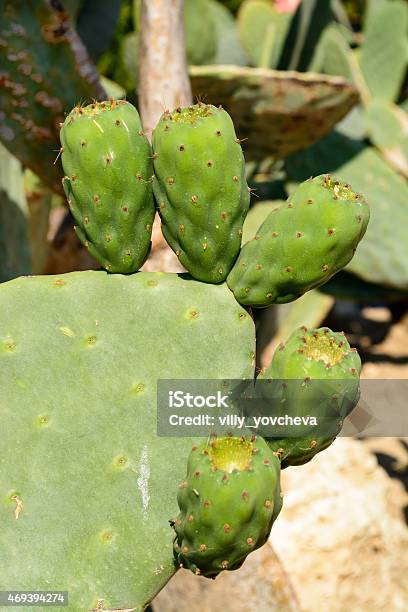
200,188
228,503
300,245
108,182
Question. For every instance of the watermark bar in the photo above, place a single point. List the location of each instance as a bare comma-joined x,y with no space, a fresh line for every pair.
282,408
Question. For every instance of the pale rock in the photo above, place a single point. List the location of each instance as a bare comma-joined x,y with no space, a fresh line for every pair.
341,535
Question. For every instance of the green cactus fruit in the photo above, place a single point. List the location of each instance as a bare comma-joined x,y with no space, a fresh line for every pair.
228,503
314,373
108,183
301,244
200,188
382,256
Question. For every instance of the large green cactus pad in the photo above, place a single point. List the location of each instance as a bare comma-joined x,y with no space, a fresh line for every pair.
200,32
44,71
387,126
279,112
86,486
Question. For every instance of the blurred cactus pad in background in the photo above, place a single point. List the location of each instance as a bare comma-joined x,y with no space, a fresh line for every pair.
281,191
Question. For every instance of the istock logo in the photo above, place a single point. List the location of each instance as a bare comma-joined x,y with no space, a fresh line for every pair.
180,399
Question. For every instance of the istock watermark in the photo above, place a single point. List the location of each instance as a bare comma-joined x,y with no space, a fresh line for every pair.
180,399
282,408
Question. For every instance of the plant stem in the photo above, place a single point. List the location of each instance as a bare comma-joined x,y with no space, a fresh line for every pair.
163,74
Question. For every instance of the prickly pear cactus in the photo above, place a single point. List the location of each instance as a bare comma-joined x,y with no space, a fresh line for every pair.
387,126
314,373
301,244
86,482
200,188
228,503
108,183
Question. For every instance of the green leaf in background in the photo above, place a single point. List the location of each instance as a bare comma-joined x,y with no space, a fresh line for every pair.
354,125
127,61
229,48
382,255
15,256
113,90
310,309
310,19
96,25
263,30
201,35
350,288
371,6
384,53
388,130
334,56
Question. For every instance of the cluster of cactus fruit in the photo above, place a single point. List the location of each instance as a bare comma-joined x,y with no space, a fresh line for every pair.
194,174
202,198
